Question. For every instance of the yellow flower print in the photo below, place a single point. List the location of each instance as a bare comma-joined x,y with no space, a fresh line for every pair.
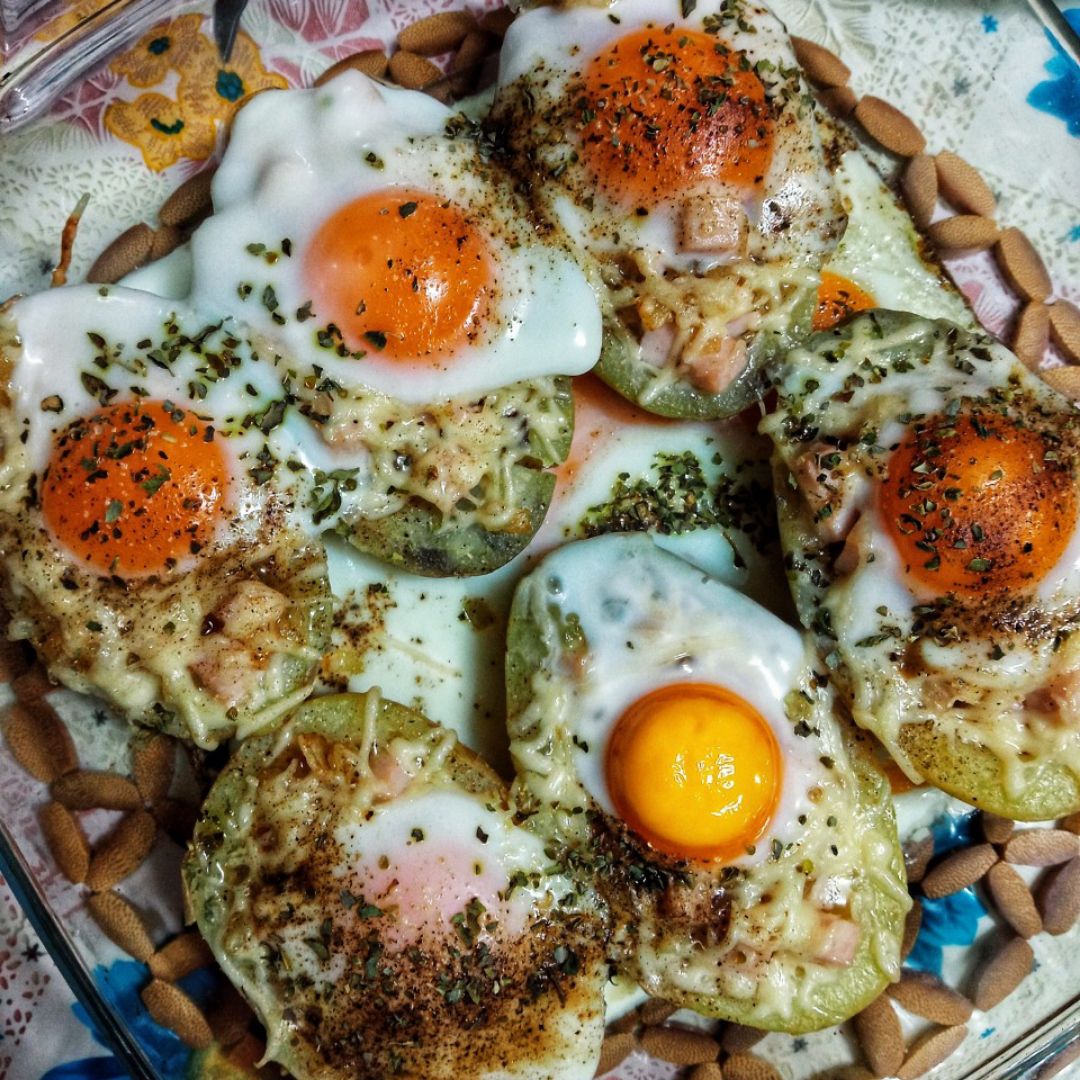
208,93
215,89
172,46
161,130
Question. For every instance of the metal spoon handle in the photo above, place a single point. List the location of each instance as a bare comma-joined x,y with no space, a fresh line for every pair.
1054,20
226,23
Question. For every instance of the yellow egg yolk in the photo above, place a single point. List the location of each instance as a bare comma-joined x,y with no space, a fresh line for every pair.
134,488
664,108
837,299
977,503
695,770
401,273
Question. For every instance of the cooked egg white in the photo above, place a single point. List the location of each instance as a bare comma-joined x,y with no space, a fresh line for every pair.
927,491
370,245
699,489
680,151
361,879
678,747
881,259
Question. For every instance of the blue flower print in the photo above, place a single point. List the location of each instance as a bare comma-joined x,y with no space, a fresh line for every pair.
950,920
120,985
1060,96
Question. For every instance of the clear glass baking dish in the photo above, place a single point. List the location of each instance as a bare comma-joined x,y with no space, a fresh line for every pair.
904,52
47,46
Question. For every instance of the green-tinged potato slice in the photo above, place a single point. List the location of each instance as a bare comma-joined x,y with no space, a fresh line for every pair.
973,773
417,538
680,749
927,493
362,881
624,368
212,654
504,443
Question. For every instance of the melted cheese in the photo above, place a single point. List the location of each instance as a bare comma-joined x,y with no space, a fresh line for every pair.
997,673
828,857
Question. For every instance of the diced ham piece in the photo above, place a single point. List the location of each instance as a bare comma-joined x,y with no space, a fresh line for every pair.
388,771
225,669
713,224
822,488
251,609
1065,693
1060,698
656,345
230,659
837,941
716,365
749,320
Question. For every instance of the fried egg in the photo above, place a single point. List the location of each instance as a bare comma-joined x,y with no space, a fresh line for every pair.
678,748
702,490
881,260
429,317
372,228
681,153
153,547
361,879
926,484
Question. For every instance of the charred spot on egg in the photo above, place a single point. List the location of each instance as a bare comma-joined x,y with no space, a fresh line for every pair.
148,549
927,494
361,879
734,823
680,152
431,319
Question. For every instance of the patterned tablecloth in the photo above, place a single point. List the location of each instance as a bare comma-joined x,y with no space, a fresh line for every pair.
982,79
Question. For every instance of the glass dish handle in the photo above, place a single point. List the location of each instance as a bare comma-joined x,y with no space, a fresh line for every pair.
35,906
36,72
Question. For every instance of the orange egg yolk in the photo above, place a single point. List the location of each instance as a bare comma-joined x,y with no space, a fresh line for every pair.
664,108
977,503
837,299
135,488
695,770
401,273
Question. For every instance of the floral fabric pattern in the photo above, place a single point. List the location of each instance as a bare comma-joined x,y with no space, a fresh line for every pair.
1060,96
207,91
980,78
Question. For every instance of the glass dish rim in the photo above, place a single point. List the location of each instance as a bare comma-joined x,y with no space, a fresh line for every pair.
1026,1057
108,1025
